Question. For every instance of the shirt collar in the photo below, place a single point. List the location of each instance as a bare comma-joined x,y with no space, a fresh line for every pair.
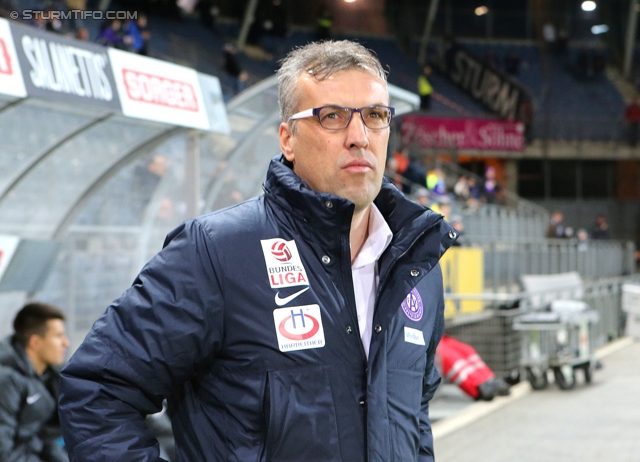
379,237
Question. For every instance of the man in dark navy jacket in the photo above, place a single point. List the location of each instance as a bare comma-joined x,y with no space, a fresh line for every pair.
297,326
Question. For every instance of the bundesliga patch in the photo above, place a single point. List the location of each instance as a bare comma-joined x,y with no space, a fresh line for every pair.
299,328
412,305
284,266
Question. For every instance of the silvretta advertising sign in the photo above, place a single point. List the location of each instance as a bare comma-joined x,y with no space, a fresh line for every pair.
56,67
463,134
11,82
156,90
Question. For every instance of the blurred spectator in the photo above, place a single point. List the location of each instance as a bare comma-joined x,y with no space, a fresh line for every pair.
583,240
474,193
601,228
397,164
38,20
458,225
131,29
549,36
29,426
556,230
526,117
422,197
112,35
460,363
512,63
436,184
142,24
632,117
323,24
233,69
461,189
443,207
425,89
53,22
405,169
82,34
490,186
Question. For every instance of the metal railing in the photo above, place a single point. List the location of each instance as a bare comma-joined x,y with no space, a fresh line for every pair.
491,332
505,260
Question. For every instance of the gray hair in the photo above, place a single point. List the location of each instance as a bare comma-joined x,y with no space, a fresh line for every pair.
321,59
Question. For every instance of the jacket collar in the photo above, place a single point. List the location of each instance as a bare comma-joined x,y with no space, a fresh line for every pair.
13,355
408,220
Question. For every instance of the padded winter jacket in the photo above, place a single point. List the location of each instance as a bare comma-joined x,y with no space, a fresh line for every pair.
28,419
246,322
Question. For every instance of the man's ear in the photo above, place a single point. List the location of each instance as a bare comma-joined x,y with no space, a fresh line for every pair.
286,138
34,342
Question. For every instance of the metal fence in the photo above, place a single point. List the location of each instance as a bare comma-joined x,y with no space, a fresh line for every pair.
506,260
491,333
501,223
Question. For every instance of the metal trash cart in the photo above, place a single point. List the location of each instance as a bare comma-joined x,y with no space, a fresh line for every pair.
558,340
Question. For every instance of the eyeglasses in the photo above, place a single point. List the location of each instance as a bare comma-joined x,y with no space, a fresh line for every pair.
338,117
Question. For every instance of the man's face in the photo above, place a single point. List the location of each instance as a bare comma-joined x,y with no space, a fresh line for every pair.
52,347
350,162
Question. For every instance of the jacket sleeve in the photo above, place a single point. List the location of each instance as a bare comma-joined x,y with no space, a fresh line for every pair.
10,405
430,384
150,340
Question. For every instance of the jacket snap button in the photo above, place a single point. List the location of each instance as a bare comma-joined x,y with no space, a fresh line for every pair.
326,260
452,234
378,329
349,329
415,272
362,402
329,204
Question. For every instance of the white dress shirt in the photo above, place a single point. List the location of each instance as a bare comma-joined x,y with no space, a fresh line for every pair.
364,272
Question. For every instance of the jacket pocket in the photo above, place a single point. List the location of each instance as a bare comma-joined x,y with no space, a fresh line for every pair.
302,422
404,413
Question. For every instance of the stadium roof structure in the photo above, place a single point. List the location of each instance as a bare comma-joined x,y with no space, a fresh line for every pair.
102,153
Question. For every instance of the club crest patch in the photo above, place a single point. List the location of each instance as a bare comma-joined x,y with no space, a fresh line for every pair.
284,266
412,305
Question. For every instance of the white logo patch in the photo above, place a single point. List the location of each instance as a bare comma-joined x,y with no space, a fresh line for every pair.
299,327
413,336
285,300
284,266
33,398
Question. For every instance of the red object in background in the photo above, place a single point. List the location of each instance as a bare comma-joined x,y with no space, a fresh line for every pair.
460,364
632,114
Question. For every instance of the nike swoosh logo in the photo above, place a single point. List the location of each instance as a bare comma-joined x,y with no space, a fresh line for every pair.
33,399
285,300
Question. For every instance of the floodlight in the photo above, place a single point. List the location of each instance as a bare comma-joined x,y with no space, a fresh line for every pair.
589,5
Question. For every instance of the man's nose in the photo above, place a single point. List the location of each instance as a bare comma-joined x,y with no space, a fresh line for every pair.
357,132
